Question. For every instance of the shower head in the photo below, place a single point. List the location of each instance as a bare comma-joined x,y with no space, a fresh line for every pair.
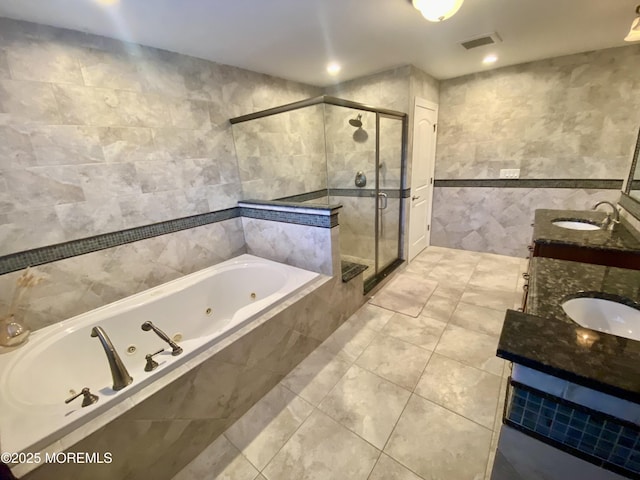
356,122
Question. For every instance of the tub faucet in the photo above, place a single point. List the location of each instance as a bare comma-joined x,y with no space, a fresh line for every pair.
609,222
121,377
177,349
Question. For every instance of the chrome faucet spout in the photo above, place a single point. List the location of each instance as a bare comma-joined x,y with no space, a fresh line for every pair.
176,349
614,211
119,373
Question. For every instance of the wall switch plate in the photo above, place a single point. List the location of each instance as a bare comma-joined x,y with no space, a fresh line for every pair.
509,173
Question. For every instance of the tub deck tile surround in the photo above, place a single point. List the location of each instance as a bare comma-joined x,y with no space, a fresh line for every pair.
193,410
426,395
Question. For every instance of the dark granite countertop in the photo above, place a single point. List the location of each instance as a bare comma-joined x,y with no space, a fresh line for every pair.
620,238
546,339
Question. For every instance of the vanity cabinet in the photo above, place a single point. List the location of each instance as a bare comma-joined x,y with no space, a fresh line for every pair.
574,393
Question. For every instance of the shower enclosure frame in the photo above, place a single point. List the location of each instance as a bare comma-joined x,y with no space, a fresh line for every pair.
403,190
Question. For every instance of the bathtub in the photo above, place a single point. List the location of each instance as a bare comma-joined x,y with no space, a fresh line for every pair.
197,310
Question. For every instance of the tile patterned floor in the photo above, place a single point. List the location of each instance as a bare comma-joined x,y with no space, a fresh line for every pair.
388,396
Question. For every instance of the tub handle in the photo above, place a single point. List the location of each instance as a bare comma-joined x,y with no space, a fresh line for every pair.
151,363
89,398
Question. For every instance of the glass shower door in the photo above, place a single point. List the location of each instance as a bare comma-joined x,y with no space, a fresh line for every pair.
350,139
389,193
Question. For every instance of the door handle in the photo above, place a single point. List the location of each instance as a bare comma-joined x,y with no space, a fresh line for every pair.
415,197
383,196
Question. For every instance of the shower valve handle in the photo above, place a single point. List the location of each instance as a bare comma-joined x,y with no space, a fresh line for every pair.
415,197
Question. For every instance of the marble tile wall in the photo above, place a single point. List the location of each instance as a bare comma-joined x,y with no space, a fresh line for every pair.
568,117
357,228
79,284
388,89
162,434
98,135
497,220
349,149
312,248
571,117
282,155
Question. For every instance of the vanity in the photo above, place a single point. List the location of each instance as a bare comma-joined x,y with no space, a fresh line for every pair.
574,387
572,408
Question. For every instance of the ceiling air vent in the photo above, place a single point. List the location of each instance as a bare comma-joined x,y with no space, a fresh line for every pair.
487,39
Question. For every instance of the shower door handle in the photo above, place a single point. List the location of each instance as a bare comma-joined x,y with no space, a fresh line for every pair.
384,197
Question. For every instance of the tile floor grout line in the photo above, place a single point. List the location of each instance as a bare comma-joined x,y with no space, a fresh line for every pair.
494,431
287,441
391,435
455,413
391,381
482,306
467,365
395,425
374,465
386,379
458,413
233,445
316,407
380,334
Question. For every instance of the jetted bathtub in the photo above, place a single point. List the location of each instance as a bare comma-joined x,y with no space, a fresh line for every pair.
197,311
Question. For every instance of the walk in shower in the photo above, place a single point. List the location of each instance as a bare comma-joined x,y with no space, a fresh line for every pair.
327,150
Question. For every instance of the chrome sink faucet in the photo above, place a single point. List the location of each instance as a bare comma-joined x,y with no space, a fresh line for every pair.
608,221
119,373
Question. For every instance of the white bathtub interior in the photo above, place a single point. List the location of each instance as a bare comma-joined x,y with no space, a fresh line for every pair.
198,310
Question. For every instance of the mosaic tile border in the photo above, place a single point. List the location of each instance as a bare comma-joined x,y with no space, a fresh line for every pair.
52,253
601,439
368,192
597,184
346,192
323,221
279,205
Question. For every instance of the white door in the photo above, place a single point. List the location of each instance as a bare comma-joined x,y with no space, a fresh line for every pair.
425,116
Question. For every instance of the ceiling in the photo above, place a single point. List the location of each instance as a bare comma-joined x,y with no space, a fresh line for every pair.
296,39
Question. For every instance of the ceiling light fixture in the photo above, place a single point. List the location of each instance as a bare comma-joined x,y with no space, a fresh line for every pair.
490,59
437,10
333,68
634,33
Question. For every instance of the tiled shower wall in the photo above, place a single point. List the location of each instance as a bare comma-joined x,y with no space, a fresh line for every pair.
393,89
97,135
282,155
572,117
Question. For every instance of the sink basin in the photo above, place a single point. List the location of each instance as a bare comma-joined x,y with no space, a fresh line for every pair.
576,224
605,316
